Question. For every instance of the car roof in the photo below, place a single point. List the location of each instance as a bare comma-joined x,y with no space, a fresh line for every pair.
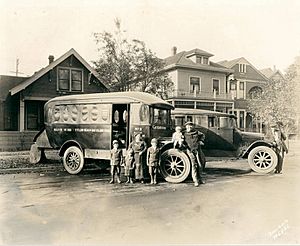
116,98
191,111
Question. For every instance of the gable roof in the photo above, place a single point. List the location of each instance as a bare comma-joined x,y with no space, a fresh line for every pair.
269,73
53,64
7,82
243,60
181,60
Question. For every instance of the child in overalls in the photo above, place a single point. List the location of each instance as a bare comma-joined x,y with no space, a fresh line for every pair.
115,163
129,165
139,147
153,155
177,137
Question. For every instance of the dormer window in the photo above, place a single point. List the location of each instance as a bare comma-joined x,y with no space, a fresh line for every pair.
242,68
201,59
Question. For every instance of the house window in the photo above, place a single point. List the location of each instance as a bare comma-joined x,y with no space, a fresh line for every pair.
242,68
216,86
195,84
70,79
205,60
242,90
198,59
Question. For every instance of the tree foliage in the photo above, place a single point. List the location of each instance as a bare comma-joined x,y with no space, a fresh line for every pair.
278,99
129,65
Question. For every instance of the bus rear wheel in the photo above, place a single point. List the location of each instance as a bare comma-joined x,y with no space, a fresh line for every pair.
175,166
73,160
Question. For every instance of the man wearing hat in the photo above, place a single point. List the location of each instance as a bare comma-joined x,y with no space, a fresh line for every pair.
115,163
281,148
193,141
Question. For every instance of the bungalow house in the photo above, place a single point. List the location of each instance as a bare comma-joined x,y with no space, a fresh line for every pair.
22,99
245,80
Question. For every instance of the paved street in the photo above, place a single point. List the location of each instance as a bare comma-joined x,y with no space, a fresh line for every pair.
235,206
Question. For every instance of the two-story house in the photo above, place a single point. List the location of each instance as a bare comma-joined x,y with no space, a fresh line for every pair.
245,80
22,99
198,82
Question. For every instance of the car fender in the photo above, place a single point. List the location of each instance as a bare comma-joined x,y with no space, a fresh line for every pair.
244,154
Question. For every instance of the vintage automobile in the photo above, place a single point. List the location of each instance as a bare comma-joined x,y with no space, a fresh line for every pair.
224,139
82,127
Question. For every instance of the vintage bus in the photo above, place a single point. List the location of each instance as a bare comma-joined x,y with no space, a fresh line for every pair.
224,139
83,127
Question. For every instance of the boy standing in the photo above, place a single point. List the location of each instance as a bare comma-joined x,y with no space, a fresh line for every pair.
129,165
115,163
153,155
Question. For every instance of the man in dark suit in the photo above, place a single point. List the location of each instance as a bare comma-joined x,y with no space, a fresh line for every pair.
193,140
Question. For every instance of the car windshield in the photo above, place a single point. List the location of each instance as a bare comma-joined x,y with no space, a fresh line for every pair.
160,116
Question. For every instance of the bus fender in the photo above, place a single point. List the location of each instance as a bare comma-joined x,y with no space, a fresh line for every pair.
257,143
67,145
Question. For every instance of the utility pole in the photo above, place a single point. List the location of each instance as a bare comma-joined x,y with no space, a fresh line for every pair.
17,68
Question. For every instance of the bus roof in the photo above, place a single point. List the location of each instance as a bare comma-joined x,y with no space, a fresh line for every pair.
191,111
116,97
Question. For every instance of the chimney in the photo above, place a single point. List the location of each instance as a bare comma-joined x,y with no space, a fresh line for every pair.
174,50
274,68
51,59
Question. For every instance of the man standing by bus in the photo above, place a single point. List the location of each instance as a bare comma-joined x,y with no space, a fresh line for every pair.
193,140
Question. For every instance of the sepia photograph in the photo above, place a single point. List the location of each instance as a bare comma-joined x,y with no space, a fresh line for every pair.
147,122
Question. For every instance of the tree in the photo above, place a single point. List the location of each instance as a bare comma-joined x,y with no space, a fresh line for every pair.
129,65
276,101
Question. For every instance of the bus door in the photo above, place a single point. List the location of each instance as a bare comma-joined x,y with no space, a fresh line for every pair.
120,124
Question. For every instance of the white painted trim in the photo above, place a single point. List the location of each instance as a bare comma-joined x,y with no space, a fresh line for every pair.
29,98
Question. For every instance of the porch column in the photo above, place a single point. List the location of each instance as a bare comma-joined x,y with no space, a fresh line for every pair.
215,106
22,114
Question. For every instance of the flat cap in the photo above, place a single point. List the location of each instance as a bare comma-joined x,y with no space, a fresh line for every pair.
115,142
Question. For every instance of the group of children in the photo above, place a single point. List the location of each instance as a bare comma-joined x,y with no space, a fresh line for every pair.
133,160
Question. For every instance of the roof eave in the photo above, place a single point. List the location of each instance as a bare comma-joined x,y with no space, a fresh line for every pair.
208,68
30,80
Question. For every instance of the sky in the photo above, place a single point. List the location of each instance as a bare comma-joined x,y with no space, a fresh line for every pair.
265,32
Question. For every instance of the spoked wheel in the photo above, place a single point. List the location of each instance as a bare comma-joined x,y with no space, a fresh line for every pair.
175,166
73,160
262,159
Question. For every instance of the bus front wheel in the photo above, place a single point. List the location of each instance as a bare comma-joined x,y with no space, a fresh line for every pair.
73,160
175,166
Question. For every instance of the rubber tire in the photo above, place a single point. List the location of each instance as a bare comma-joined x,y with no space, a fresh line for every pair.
186,166
270,152
78,152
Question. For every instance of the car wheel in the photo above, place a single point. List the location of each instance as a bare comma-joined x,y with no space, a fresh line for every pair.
175,166
73,160
262,159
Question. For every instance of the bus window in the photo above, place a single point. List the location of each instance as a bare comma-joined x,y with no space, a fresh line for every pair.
160,116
